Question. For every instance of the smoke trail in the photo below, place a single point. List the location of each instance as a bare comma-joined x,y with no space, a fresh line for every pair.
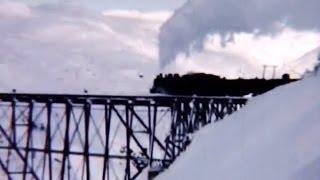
190,24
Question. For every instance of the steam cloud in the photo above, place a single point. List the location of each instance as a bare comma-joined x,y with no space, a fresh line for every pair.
190,24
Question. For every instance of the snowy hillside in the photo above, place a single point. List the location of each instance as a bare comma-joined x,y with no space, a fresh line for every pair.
276,136
309,60
67,48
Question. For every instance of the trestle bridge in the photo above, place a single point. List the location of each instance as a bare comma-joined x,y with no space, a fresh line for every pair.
55,136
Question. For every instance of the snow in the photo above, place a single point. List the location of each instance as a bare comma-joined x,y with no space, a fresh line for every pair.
66,48
275,136
309,59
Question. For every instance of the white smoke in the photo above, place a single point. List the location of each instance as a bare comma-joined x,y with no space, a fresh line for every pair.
190,24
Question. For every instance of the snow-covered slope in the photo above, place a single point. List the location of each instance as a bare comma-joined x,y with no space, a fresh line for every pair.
309,59
276,136
67,48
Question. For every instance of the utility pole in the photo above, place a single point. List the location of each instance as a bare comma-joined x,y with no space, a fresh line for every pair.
274,72
265,68
264,71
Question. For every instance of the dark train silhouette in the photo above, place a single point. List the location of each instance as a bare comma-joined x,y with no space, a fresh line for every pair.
202,84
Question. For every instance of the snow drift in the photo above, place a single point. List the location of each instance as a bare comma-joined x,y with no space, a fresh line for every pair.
190,24
276,136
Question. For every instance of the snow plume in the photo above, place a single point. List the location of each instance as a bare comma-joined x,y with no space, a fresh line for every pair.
190,24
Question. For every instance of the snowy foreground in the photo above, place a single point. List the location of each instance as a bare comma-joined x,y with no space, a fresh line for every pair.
276,136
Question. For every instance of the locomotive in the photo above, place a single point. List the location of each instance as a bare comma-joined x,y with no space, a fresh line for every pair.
202,84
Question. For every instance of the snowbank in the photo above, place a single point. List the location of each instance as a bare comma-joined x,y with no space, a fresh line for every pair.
276,136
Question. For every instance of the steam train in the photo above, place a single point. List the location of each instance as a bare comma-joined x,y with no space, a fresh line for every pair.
202,84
